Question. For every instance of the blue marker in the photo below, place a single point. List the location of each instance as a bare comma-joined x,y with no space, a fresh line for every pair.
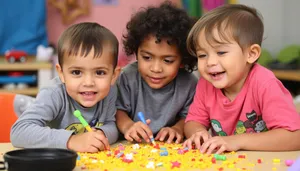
142,118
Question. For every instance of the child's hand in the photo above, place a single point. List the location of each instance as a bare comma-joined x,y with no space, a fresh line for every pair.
93,141
221,144
197,138
170,133
139,130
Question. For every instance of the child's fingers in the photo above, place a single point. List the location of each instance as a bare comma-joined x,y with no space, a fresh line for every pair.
205,137
163,135
92,149
171,135
143,134
212,147
128,137
179,138
221,149
106,143
135,136
147,130
148,121
102,141
188,143
197,141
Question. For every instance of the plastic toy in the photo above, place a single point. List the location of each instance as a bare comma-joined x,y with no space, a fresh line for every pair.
13,56
142,118
78,115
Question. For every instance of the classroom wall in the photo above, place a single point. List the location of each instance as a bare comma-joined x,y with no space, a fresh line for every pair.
112,17
281,22
280,19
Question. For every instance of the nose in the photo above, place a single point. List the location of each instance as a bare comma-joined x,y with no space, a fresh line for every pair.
89,80
212,60
156,67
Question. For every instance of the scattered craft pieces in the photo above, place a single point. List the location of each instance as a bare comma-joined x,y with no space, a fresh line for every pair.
176,164
145,156
289,162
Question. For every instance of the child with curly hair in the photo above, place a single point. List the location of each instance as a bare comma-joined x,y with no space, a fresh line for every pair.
246,106
160,84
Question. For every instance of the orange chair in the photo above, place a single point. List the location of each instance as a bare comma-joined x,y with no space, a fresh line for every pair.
8,117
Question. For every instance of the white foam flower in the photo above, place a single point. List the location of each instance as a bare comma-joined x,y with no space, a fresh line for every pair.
153,150
129,156
135,146
150,165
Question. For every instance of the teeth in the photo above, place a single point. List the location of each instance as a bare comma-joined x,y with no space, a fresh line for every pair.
88,93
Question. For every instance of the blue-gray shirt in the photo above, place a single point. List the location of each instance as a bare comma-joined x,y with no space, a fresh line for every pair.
49,120
163,106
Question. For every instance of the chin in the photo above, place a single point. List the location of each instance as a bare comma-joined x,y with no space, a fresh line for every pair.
89,104
155,86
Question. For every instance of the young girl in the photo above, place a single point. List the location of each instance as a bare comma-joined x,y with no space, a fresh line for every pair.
160,84
243,102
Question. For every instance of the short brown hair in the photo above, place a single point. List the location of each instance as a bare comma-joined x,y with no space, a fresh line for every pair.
240,22
85,36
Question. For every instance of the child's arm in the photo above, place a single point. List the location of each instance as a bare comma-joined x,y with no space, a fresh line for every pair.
280,116
176,131
31,130
92,141
273,140
133,130
196,134
109,127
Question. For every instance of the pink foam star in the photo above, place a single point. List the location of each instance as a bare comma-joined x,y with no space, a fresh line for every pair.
176,164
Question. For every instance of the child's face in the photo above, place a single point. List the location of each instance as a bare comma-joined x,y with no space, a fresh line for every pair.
158,63
225,65
88,79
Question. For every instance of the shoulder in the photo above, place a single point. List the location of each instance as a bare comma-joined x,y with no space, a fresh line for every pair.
56,90
130,70
260,76
186,79
129,76
112,94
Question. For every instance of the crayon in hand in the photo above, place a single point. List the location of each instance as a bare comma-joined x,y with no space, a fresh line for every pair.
78,115
142,118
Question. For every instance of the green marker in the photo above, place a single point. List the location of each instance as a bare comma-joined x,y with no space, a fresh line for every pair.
78,115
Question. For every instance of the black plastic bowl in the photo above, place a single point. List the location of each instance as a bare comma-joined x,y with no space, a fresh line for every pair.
40,159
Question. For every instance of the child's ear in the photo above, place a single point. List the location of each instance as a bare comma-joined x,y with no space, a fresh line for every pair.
115,75
60,72
253,53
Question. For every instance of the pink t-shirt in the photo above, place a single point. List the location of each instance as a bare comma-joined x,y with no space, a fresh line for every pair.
262,104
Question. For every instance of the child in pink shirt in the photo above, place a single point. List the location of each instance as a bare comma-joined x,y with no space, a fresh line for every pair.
235,95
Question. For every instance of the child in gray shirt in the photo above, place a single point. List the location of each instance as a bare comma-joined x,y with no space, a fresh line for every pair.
87,69
160,84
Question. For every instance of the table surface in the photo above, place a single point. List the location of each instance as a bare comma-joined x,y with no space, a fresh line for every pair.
252,156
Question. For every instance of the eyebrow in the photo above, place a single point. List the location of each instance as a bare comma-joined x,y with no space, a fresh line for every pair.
215,46
149,53
80,68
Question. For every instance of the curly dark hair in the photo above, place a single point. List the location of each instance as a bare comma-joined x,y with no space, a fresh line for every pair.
165,22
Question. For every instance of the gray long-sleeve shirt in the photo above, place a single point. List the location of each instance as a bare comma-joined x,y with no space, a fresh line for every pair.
49,121
163,106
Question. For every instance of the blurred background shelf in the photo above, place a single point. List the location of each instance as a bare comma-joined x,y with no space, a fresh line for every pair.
291,75
43,69
29,91
29,65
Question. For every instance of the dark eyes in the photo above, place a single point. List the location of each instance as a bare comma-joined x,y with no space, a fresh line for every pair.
76,72
100,72
204,55
221,53
201,56
168,61
146,58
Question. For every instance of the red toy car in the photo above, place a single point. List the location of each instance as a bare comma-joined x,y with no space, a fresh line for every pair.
15,56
